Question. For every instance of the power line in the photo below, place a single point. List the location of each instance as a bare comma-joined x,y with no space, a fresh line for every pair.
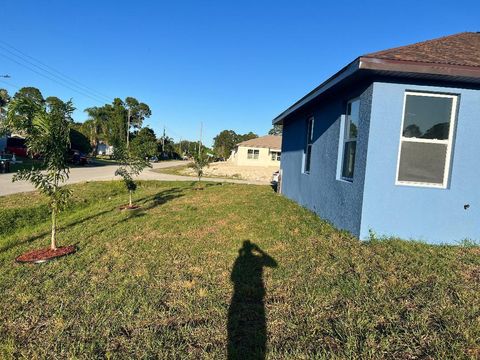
10,84
49,78
53,74
52,70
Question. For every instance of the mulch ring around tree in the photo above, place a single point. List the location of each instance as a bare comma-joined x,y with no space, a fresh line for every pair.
46,254
128,207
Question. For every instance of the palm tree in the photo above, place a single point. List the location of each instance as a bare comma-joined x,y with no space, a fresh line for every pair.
49,136
96,124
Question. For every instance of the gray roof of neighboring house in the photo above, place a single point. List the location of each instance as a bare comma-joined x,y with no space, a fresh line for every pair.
269,141
449,58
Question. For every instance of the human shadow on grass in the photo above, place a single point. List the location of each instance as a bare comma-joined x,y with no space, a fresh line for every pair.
247,328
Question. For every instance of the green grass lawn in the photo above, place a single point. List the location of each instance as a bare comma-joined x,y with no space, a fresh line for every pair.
168,281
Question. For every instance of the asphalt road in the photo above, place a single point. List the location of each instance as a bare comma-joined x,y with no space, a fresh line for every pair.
105,173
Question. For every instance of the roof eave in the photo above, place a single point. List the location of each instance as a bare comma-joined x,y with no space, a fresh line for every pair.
332,81
399,67
404,66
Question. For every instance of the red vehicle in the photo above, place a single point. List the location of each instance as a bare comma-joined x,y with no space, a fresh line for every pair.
16,145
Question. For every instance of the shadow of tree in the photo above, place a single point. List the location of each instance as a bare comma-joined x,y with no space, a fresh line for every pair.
247,328
60,228
149,202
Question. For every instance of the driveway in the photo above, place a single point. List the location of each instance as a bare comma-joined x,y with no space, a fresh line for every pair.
105,173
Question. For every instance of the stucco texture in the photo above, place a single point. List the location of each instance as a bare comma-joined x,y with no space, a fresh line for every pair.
430,214
336,200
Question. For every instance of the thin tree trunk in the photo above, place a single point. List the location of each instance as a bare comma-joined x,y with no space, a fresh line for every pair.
53,244
130,197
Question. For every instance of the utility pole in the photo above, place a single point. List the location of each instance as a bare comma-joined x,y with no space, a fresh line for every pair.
200,140
128,130
163,141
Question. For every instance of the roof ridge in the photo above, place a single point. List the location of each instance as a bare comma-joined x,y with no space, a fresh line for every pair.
381,52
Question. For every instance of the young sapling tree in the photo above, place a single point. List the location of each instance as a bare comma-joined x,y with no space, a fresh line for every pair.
49,137
130,167
200,162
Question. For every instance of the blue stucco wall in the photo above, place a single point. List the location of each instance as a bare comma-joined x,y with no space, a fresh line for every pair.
429,214
338,201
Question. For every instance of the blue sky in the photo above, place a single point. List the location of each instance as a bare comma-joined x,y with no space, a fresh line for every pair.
231,65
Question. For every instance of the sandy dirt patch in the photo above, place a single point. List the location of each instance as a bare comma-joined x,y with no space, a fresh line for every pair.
227,169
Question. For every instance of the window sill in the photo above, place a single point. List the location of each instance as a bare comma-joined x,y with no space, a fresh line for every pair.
348,181
421,185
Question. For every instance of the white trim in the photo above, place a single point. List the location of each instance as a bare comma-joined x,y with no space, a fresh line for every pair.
448,142
341,139
346,138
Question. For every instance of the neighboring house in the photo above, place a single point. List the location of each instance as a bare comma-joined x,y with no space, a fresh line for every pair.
389,143
261,151
104,149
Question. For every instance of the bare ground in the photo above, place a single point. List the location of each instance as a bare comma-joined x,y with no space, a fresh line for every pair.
229,170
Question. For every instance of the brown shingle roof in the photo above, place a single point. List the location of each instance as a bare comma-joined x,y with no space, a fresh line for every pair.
453,58
459,49
269,141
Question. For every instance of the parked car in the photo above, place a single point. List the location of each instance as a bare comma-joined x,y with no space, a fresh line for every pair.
154,159
17,146
77,158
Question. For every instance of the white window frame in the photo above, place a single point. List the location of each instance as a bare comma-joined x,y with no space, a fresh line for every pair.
344,138
253,154
309,142
275,155
448,142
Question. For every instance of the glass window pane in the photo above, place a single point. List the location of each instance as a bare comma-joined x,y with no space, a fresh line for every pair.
353,118
427,117
349,159
308,154
422,162
310,130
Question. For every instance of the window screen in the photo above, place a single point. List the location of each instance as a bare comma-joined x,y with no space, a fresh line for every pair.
422,162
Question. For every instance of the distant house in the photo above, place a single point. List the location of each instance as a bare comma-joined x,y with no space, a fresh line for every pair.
389,143
104,149
261,151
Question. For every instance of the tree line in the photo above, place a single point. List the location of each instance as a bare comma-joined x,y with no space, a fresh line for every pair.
113,124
